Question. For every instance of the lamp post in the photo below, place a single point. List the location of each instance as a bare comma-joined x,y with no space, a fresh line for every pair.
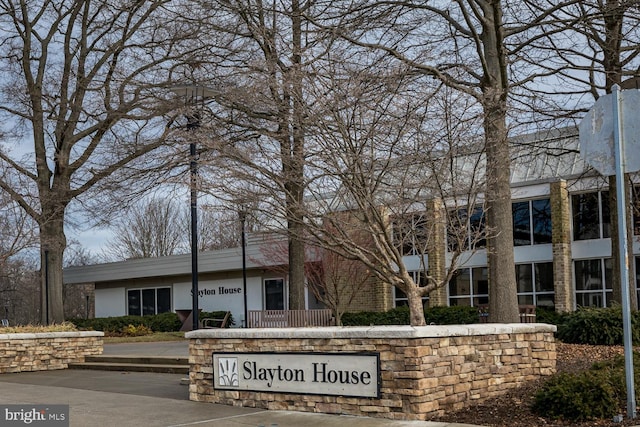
193,96
243,218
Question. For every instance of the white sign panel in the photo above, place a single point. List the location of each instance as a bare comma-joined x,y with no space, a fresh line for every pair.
335,374
596,133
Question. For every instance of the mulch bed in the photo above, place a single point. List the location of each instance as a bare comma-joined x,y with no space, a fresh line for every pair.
514,408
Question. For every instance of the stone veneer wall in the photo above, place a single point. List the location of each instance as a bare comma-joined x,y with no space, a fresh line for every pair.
46,351
425,371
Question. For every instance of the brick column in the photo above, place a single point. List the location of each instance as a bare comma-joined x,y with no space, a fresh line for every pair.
437,250
561,243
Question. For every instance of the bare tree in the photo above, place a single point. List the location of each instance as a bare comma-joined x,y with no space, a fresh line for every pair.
260,75
389,169
591,46
161,227
150,229
471,46
82,92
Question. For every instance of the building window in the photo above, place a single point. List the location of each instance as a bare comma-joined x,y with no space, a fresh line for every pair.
531,222
469,286
593,282
147,301
535,284
274,294
466,232
400,297
591,219
410,234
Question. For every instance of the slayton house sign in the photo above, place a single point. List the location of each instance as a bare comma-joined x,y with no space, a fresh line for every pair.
335,374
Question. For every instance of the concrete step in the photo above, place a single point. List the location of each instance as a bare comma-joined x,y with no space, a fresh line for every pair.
139,360
168,365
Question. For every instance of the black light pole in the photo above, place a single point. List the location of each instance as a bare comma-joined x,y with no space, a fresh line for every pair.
243,217
193,95
193,166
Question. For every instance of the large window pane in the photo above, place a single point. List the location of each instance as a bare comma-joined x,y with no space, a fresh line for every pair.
606,215
521,223
477,228
274,294
148,302
460,283
588,275
524,278
586,216
541,216
163,300
544,277
589,299
133,302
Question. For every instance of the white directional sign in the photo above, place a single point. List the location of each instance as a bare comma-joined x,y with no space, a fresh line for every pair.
596,133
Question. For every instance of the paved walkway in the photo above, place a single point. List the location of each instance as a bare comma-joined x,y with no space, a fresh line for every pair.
123,399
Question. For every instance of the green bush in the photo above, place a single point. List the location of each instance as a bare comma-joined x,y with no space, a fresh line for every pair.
454,315
550,316
396,316
164,322
577,397
595,326
598,393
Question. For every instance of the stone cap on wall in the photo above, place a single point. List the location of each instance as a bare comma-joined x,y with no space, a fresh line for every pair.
397,331
38,335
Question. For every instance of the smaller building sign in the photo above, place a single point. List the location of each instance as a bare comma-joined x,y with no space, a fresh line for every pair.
335,374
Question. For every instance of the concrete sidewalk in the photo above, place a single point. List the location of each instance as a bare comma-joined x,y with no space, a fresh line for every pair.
123,399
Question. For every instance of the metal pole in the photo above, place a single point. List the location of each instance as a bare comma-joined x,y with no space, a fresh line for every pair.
194,237
46,284
244,267
618,143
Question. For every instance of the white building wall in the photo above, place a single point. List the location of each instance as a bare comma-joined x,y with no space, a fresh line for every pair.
221,295
111,302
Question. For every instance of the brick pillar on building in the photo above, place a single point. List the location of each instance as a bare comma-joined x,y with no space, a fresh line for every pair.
561,243
372,294
437,250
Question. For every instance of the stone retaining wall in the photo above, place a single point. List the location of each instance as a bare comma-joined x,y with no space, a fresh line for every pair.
46,351
425,371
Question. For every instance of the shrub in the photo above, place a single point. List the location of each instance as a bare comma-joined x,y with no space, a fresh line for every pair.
595,326
550,316
400,316
164,322
454,315
577,397
597,393
396,316
134,331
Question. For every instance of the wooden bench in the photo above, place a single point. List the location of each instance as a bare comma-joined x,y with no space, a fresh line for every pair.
213,323
290,318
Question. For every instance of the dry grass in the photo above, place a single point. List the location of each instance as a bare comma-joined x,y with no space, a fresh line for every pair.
156,336
30,329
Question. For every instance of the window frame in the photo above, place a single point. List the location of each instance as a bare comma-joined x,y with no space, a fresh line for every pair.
535,292
284,293
604,290
579,226
141,292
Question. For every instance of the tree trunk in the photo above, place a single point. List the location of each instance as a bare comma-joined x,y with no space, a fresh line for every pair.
503,298
52,245
295,174
416,309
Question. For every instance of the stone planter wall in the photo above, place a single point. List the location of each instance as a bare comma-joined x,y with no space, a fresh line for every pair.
425,371
46,351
